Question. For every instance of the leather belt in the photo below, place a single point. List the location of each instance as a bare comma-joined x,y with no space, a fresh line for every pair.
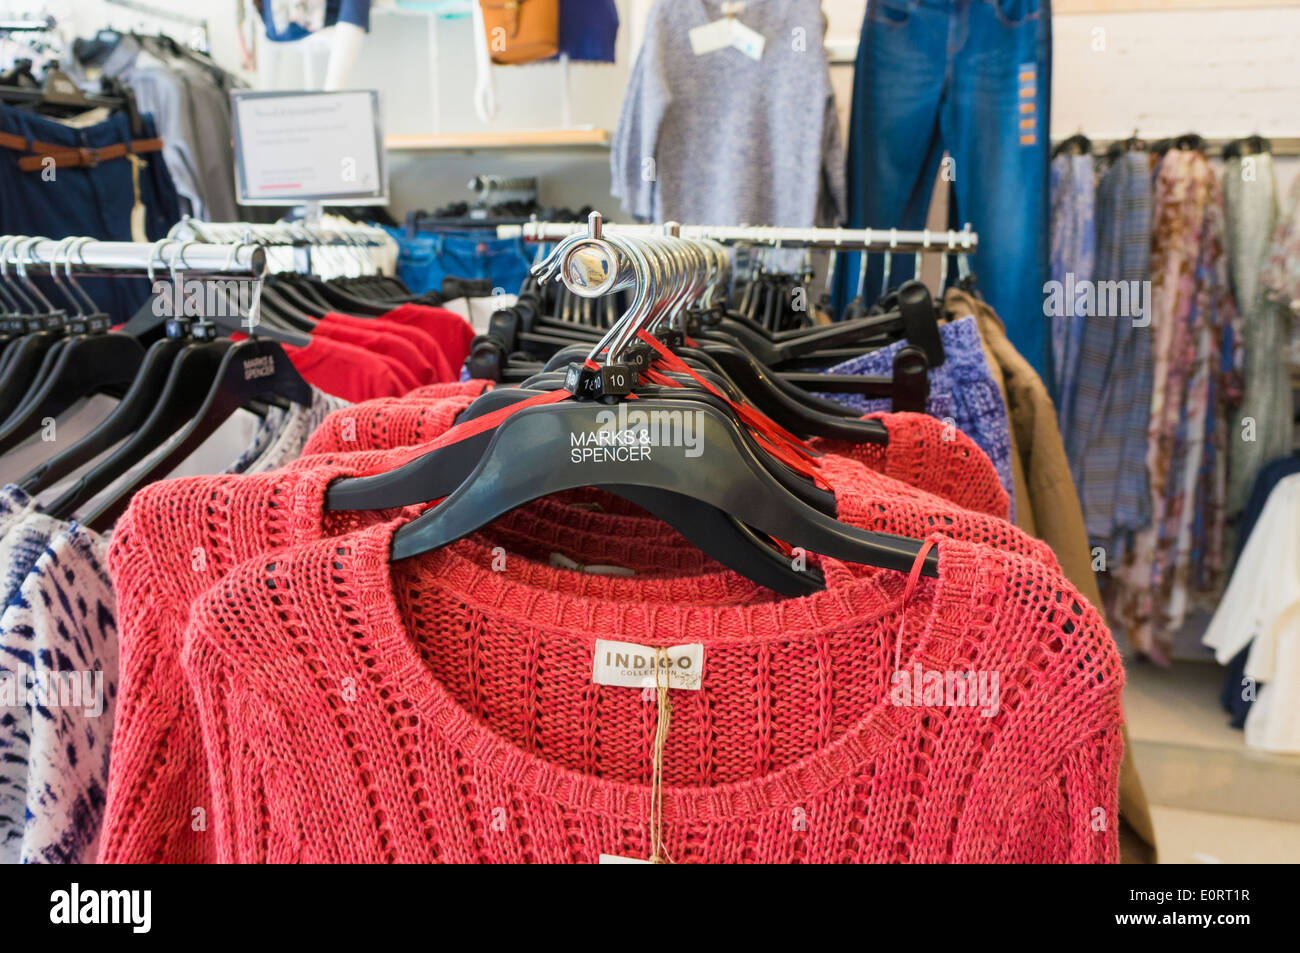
72,156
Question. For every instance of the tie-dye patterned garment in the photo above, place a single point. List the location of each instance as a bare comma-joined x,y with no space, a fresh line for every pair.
58,634
65,612
1196,379
24,534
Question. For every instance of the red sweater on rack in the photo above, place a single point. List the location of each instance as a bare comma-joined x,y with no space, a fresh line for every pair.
438,710
156,766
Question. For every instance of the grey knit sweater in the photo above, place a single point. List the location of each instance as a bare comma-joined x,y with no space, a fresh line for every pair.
723,139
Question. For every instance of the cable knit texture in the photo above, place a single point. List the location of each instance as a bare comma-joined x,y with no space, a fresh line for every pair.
436,710
180,537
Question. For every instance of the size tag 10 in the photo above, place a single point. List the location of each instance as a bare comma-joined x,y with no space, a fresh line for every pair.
630,665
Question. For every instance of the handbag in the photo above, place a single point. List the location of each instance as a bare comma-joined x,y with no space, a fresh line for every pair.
521,31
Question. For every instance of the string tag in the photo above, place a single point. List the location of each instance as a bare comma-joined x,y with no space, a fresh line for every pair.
640,666
663,716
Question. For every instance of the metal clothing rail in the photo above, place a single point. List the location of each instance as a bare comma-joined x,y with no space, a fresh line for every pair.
843,239
281,233
1213,146
161,13
81,257
27,24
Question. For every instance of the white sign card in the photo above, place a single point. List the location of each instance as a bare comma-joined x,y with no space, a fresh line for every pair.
293,147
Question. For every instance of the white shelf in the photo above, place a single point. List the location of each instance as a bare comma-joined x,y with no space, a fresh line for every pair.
521,139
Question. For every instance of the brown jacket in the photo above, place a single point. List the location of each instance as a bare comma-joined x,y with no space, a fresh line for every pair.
1047,506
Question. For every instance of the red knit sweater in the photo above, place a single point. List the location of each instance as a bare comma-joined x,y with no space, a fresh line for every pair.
156,770
436,710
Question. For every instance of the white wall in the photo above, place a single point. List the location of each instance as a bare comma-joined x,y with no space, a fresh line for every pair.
1222,73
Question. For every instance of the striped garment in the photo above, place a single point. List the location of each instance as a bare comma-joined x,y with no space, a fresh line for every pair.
1106,430
1073,253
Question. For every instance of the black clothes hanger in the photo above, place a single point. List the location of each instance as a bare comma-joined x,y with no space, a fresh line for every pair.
126,418
917,320
907,390
249,370
151,320
1076,145
84,365
87,360
746,477
336,297
725,475
189,379
1188,142
778,400
438,472
1247,146
1132,144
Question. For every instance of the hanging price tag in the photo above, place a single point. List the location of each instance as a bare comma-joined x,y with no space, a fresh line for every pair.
746,39
711,37
727,33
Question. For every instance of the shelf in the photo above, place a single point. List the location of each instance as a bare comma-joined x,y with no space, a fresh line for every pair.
522,139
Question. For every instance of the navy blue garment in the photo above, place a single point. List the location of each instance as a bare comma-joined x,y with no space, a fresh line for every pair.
1235,675
588,29
424,258
348,11
91,200
972,77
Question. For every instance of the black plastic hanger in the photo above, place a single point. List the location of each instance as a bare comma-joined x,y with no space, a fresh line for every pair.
437,473
248,370
85,364
1076,145
189,379
143,396
528,458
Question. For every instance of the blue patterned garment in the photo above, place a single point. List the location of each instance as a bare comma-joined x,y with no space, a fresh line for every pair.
1073,258
1105,431
962,392
64,612
24,534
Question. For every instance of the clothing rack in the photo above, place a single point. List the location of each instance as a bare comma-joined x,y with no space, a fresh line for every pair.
301,246
26,24
171,16
281,233
1279,145
845,239
88,258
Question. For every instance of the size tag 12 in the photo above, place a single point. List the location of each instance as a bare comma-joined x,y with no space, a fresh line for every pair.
630,665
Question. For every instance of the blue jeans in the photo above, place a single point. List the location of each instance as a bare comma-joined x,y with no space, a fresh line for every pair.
972,77
425,259
90,200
